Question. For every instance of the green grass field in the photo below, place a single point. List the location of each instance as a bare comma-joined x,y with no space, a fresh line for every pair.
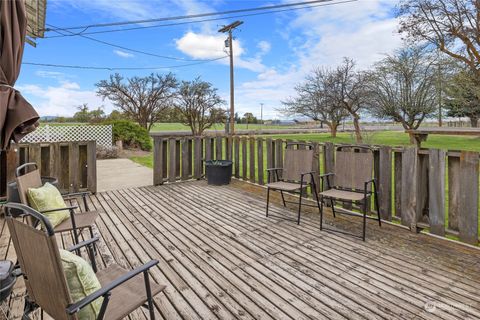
390,138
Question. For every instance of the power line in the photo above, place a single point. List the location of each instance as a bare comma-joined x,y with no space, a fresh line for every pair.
73,34
134,50
102,25
66,66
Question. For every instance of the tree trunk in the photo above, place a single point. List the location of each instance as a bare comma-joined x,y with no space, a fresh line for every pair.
474,122
358,133
333,129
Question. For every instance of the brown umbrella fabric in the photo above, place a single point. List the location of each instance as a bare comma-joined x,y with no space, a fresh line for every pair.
17,116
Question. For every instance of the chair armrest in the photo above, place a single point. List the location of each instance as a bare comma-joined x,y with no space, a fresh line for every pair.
71,208
82,244
373,182
105,290
76,194
322,176
308,172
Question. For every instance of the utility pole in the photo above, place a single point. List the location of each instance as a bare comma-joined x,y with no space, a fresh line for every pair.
261,114
228,29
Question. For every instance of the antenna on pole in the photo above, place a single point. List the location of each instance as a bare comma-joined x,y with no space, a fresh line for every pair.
228,29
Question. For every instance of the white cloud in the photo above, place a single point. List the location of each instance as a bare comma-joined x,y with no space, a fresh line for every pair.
208,46
264,47
61,100
204,46
50,74
123,54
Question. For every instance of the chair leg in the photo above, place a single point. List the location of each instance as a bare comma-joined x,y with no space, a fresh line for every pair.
332,205
364,218
321,214
149,295
299,205
268,199
283,199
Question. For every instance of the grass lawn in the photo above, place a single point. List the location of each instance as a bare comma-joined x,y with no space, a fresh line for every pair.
391,138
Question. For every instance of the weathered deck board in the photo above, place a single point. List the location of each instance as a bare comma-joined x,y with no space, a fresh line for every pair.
223,259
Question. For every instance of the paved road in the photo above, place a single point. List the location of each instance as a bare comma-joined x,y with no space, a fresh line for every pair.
115,174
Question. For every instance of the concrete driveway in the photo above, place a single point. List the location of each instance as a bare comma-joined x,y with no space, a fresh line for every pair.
113,174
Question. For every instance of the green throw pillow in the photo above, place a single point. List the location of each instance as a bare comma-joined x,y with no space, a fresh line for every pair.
81,281
46,198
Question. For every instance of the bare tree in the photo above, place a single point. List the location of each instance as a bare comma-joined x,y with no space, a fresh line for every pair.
347,90
199,105
314,101
141,99
403,87
452,26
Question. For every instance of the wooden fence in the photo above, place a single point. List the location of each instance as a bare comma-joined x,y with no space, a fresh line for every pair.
72,163
430,189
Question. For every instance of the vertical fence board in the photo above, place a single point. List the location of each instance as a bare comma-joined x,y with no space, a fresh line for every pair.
468,213
158,161
219,148
398,183
63,178
12,162
185,159
73,155
229,147
329,160
385,183
208,149
244,158
422,191
177,158
252,159
316,167
453,192
82,166
436,183
190,158
236,147
270,156
260,160
34,154
172,161
197,158
279,155
409,195
92,166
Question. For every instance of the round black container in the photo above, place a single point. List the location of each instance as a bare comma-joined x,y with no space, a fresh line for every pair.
218,172
13,196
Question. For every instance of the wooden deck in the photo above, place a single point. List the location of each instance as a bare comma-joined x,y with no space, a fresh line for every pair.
221,258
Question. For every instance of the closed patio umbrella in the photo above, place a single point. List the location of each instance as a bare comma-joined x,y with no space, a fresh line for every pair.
17,116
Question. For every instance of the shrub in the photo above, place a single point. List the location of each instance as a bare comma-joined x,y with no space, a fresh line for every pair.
131,134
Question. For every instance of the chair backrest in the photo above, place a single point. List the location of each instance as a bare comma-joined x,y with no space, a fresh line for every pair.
39,259
31,179
296,162
353,167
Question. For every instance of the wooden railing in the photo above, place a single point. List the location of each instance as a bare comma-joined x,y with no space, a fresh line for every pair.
423,189
72,163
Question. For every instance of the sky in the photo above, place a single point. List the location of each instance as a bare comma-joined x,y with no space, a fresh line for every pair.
272,52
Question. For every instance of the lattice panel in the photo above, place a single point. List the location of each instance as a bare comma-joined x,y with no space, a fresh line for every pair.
102,134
